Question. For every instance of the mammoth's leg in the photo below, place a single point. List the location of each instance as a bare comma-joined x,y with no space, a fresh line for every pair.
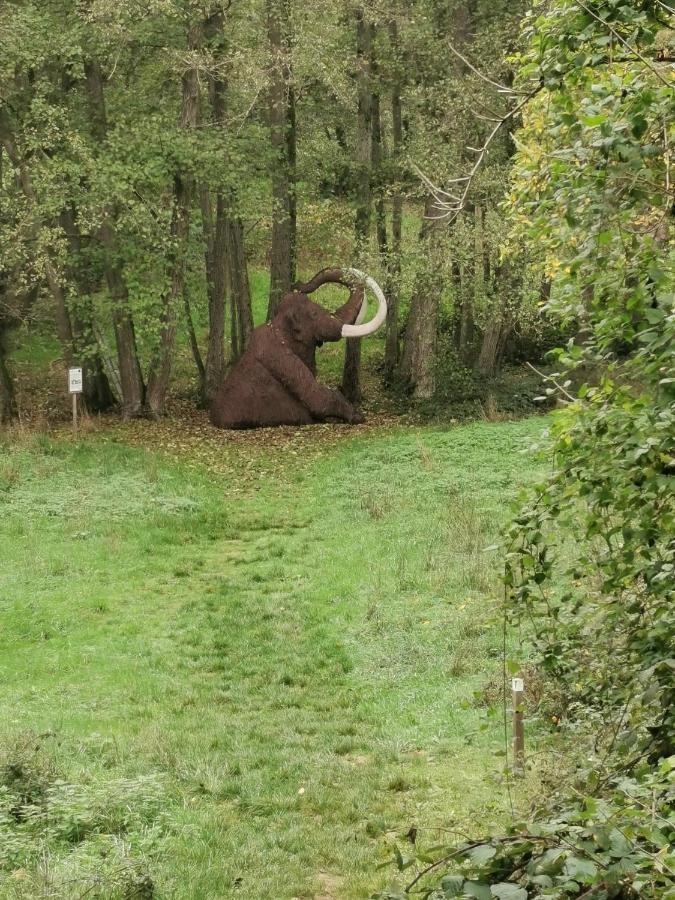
321,402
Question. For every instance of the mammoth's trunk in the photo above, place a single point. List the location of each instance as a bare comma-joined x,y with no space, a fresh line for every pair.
325,276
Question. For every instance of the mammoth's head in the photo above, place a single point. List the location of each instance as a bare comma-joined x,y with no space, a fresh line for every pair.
306,323
310,323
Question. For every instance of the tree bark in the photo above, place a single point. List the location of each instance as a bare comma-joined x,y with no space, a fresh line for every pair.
131,377
8,407
491,346
183,187
391,350
419,352
214,222
282,137
215,254
351,386
194,343
240,289
498,328
466,325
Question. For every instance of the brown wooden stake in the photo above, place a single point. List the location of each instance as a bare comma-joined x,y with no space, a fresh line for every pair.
518,688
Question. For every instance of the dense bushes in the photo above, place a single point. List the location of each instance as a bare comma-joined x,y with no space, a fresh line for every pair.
590,563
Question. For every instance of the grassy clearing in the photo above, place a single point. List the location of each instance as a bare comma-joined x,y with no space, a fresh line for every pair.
210,694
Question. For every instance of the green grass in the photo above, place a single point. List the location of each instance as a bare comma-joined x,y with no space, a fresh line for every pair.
208,694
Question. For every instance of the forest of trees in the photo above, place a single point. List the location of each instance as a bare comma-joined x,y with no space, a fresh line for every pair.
501,170
153,155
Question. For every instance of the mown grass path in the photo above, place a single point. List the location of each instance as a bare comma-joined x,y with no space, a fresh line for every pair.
246,692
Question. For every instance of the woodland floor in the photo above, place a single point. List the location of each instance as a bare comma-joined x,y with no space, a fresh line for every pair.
242,665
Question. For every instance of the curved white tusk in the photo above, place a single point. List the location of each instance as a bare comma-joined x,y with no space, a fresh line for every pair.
360,330
363,312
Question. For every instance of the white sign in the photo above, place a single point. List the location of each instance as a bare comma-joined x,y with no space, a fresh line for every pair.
517,685
75,381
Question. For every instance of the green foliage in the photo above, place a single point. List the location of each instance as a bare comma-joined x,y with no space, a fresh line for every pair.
617,845
590,563
73,838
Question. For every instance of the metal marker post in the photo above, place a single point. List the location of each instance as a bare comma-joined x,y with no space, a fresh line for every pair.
75,388
517,689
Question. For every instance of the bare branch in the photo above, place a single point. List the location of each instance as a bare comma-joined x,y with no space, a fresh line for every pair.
502,88
625,43
451,210
550,378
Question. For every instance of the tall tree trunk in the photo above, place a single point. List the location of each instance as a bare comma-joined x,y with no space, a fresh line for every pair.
376,154
8,408
351,386
419,351
130,375
498,328
240,288
158,381
282,137
494,337
215,253
391,350
472,297
214,221
194,343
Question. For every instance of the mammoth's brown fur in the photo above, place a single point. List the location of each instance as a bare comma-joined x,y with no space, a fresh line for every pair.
274,382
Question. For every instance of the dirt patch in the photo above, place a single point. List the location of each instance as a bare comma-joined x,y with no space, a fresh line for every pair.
359,759
330,886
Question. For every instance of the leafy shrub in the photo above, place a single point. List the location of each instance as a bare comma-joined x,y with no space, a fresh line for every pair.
70,837
590,568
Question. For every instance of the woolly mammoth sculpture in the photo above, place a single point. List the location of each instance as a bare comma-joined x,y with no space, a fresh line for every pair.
274,382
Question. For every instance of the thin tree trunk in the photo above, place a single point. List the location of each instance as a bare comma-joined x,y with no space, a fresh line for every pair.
385,254
351,386
466,325
376,154
391,350
194,343
130,375
282,137
291,147
158,381
215,253
240,289
473,294
215,229
8,407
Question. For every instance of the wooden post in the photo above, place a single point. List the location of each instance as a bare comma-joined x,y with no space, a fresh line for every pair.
518,688
74,415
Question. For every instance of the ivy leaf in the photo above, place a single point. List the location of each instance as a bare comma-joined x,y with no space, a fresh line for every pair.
481,855
452,885
478,890
580,869
506,891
